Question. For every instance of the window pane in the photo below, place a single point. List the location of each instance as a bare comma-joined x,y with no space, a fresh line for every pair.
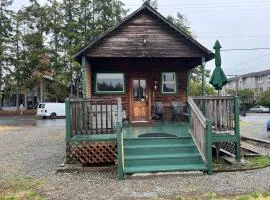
168,77
135,90
107,82
142,89
168,87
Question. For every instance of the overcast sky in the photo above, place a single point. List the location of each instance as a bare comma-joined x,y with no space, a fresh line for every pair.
235,23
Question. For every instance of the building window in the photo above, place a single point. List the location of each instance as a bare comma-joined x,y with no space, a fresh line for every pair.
168,82
110,83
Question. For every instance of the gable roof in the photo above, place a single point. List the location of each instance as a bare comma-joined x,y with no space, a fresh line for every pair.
208,54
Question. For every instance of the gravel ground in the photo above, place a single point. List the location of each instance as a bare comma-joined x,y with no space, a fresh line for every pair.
37,151
254,125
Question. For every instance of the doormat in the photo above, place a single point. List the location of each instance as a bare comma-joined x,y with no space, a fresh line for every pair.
157,135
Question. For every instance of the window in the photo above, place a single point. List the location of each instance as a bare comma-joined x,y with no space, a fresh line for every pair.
110,83
168,83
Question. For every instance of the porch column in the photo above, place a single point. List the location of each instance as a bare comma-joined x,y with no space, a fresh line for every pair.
88,81
84,76
203,78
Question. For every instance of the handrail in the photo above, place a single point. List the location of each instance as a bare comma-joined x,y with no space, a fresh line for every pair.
212,97
198,127
194,107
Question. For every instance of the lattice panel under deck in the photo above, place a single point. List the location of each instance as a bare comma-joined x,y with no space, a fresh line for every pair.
228,146
91,152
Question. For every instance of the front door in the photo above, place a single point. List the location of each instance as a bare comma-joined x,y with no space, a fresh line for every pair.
139,100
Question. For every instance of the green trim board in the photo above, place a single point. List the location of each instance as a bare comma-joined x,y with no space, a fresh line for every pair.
98,137
120,152
68,120
237,127
208,145
224,138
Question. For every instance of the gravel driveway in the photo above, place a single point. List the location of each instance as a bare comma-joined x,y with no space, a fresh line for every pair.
36,152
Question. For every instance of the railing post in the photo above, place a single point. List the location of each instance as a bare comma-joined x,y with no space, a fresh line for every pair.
237,128
208,146
120,167
119,111
68,120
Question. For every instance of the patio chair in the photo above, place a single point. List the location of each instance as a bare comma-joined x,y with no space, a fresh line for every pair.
158,110
177,109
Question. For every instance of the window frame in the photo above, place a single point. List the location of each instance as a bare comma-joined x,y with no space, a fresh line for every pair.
96,92
169,82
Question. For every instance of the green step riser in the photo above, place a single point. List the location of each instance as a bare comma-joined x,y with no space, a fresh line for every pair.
146,170
154,150
167,161
131,142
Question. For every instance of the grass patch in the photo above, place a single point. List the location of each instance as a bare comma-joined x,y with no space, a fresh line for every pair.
258,161
251,162
7,128
20,189
213,196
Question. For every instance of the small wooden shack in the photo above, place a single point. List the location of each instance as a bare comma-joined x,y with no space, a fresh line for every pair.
136,108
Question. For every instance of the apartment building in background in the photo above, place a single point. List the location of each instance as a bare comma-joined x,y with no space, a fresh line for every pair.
257,82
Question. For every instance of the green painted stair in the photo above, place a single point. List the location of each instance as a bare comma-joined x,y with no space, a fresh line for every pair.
161,155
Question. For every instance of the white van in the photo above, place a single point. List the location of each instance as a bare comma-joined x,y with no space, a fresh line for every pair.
51,110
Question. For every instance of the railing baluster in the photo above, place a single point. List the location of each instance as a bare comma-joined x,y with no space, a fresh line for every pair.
111,117
96,113
101,118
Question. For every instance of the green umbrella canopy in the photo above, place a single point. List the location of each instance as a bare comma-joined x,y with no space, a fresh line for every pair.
218,78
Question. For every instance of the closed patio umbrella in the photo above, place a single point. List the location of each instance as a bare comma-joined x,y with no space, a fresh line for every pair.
218,78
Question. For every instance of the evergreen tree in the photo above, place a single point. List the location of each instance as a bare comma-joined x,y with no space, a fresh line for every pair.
5,33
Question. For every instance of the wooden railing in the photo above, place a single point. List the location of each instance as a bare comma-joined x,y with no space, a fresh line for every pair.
93,116
198,127
219,110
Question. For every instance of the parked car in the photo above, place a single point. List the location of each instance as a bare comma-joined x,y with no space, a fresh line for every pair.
268,126
51,110
259,109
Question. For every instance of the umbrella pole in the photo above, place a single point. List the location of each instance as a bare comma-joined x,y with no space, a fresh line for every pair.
218,92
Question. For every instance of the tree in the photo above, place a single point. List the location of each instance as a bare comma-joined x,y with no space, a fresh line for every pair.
5,32
264,98
153,3
195,88
181,22
245,95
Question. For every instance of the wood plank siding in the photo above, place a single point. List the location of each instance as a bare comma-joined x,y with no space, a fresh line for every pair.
145,36
141,67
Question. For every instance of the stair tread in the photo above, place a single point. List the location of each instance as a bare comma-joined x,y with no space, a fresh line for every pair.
151,138
158,146
162,156
164,168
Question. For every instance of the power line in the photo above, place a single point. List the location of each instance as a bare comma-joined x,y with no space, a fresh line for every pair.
251,60
247,49
236,36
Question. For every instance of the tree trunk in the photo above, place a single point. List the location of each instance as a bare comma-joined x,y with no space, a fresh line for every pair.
33,99
41,91
1,94
25,100
17,100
